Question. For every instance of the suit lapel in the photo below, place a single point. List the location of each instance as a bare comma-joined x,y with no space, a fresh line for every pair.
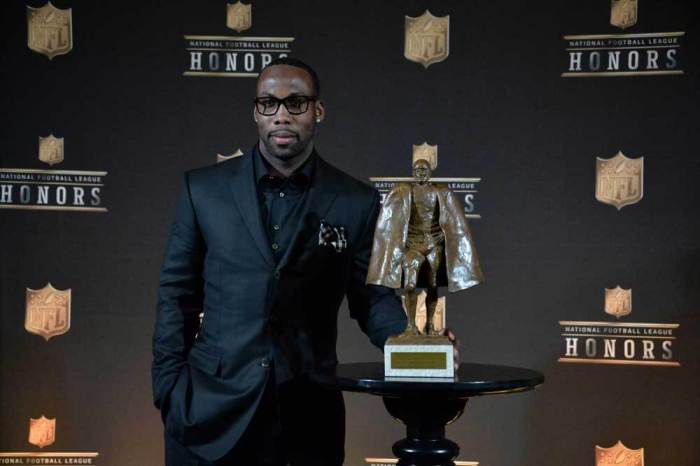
245,194
321,195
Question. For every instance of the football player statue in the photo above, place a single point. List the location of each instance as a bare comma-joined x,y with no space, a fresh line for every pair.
422,240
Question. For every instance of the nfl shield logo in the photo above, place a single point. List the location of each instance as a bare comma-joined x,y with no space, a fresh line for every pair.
239,17
426,152
47,311
49,30
42,431
618,302
619,180
51,149
618,455
623,13
427,39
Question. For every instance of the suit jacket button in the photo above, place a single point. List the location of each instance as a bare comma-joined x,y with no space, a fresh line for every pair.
276,275
265,362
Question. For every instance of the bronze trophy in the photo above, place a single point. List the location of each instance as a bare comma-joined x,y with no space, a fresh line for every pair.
422,240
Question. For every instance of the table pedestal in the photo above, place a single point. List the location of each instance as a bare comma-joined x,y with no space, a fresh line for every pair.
425,419
426,406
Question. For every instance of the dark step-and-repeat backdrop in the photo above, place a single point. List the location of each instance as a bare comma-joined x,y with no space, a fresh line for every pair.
568,128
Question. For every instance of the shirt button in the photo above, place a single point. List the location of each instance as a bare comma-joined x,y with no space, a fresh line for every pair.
264,362
276,227
281,194
275,246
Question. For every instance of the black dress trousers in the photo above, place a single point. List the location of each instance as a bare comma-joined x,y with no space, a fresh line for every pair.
297,423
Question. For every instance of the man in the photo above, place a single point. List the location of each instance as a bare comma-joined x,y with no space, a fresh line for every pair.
422,239
266,245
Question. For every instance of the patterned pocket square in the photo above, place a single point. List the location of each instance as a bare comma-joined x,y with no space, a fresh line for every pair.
328,235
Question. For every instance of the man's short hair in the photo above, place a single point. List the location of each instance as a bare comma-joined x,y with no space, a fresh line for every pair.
298,64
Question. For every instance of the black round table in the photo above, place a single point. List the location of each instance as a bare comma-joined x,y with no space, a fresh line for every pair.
427,405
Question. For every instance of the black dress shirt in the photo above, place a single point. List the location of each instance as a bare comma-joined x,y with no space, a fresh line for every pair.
281,200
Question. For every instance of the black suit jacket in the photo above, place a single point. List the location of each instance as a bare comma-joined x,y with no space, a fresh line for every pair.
258,315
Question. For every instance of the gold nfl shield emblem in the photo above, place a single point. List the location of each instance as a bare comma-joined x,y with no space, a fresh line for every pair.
426,152
618,301
619,180
427,39
42,431
623,13
51,149
49,30
47,311
618,455
239,17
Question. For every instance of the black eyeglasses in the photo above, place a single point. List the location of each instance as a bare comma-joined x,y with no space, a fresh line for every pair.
295,104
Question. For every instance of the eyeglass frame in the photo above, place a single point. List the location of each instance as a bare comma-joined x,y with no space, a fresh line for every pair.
280,102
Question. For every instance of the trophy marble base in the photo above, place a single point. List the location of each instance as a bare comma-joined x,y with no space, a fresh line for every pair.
418,356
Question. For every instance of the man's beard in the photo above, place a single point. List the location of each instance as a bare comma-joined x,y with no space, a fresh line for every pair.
287,153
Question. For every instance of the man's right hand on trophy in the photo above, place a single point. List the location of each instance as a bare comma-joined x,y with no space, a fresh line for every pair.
455,344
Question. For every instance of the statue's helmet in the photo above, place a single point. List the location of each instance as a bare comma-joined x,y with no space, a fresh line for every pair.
422,162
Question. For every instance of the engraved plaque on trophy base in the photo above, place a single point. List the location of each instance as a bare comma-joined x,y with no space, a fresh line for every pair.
418,356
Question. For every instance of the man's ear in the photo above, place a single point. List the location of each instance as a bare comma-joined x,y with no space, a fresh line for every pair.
320,110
